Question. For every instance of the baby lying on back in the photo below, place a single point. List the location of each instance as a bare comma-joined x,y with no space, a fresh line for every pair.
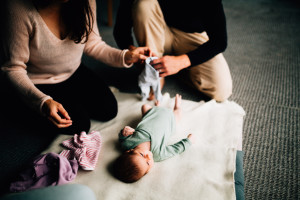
148,143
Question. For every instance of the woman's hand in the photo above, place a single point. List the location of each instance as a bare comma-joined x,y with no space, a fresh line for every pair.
136,54
56,114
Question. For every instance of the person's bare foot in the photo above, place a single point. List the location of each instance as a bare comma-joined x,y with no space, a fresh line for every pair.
162,83
151,93
157,103
177,107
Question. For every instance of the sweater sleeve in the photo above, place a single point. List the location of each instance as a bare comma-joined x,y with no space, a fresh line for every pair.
99,50
18,30
215,27
175,149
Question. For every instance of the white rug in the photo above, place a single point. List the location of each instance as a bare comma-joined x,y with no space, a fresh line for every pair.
205,171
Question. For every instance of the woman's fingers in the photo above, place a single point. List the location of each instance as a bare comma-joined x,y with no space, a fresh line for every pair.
142,57
62,111
59,125
148,52
57,114
59,119
138,54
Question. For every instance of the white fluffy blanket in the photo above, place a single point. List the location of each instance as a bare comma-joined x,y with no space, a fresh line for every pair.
205,171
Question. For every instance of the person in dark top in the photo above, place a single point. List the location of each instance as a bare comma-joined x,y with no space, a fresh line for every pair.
188,37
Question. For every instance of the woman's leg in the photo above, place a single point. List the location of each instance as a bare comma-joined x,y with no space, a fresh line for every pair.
84,95
92,93
14,112
79,116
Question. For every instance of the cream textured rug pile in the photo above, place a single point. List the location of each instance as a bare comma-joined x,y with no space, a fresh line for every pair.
204,171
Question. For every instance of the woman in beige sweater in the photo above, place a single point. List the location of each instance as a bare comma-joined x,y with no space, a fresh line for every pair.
43,44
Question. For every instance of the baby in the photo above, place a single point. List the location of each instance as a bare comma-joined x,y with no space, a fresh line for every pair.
149,141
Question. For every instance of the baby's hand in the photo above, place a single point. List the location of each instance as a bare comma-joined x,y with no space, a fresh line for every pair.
192,138
127,130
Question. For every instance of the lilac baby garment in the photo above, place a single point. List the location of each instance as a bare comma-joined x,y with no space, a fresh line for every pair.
45,170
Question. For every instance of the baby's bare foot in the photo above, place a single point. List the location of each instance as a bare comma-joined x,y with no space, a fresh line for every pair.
157,103
177,107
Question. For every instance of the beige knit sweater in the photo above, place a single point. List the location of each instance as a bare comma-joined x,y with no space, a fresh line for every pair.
34,55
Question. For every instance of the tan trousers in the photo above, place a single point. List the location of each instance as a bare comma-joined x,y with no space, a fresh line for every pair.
212,77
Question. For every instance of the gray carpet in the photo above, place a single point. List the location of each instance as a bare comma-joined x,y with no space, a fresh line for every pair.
264,58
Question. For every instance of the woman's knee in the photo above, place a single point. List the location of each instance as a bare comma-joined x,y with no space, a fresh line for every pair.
110,114
80,125
106,112
80,120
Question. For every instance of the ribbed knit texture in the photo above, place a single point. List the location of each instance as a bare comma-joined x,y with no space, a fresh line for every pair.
34,55
85,148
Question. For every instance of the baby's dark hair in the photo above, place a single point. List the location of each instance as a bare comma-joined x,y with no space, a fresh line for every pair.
126,168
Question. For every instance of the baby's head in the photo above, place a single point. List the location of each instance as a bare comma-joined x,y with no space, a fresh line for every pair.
133,165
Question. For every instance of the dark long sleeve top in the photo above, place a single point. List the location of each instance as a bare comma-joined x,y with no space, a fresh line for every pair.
188,16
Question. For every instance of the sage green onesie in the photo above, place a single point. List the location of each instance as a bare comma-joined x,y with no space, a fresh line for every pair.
157,126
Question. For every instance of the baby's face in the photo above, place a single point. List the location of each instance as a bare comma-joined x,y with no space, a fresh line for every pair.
144,157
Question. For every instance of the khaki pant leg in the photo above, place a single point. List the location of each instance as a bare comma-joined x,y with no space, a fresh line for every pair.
212,77
150,28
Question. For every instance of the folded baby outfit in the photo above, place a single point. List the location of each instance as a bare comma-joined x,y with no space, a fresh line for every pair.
85,148
150,78
45,170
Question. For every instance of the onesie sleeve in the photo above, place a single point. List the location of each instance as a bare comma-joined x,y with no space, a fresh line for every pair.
96,48
175,149
121,136
125,141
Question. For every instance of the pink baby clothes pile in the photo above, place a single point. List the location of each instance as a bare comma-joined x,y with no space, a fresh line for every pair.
84,148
